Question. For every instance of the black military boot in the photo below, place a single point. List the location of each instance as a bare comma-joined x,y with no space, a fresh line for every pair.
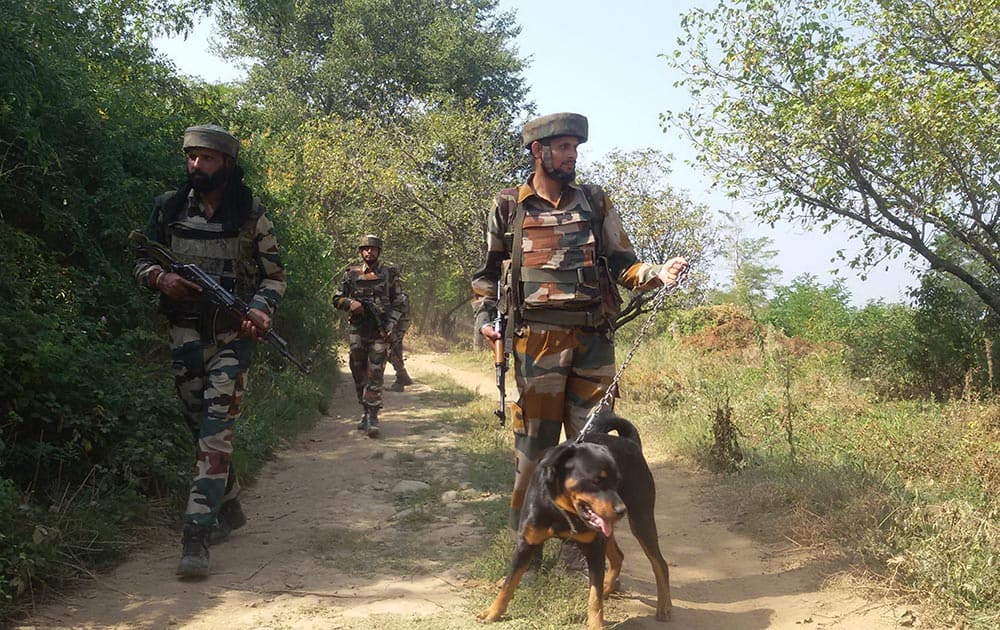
373,429
403,378
194,556
363,423
231,517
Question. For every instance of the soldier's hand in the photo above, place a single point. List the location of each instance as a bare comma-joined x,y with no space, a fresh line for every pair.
177,288
489,333
256,325
356,307
672,270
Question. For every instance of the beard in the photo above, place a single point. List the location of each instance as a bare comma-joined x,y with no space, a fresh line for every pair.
203,182
559,174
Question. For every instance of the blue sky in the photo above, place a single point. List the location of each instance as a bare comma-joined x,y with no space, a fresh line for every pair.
602,59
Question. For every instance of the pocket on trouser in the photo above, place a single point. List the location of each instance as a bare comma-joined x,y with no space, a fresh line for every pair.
517,419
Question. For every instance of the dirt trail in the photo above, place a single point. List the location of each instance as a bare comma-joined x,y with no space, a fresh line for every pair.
323,549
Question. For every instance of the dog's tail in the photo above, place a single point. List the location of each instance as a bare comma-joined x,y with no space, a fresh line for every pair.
607,421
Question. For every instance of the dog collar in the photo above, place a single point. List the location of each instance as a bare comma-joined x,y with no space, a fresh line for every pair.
569,521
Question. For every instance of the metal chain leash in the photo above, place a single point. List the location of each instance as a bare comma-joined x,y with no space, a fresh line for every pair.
658,301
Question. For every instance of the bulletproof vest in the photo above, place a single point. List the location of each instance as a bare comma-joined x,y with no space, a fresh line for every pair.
225,252
558,256
372,285
556,273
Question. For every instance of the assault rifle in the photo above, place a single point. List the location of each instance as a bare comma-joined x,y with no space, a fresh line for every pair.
372,312
211,290
500,361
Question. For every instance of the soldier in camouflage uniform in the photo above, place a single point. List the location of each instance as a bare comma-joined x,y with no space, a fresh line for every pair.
371,292
556,249
213,221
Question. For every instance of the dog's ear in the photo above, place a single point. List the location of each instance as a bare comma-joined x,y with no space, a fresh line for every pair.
552,468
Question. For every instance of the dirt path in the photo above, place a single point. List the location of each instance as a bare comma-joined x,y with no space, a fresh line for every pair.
324,548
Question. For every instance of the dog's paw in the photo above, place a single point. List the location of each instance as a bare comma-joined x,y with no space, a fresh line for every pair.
488,615
612,587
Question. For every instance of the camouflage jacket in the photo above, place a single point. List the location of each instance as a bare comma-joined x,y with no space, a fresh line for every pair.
583,231
380,285
242,258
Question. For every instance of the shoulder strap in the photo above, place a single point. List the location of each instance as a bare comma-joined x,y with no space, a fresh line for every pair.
515,225
162,207
507,201
597,202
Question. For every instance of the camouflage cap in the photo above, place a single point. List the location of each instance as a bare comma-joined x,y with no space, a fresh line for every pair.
212,137
369,240
562,124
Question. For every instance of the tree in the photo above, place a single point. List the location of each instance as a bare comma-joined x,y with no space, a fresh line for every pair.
422,182
810,311
752,276
879,115
352,57
661,222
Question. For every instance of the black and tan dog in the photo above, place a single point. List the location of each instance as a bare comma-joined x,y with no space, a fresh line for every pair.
579,491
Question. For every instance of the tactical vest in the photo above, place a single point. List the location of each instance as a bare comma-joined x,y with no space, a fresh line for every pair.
227,253
373,286
557,273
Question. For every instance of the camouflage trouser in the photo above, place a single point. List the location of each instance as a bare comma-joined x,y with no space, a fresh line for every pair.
396,349
395,354
210,379
561,374
367,360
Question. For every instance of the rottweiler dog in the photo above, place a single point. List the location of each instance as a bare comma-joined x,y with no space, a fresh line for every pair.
579,491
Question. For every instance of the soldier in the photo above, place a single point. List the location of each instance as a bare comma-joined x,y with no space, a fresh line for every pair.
372,294
396,352
214,221
557,249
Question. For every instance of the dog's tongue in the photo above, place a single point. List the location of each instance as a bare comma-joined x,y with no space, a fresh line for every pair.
606,528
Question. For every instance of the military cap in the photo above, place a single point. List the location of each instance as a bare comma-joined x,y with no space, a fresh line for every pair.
212,137
562,124
369,240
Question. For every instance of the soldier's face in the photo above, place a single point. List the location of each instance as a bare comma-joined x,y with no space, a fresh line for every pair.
370,254
559,158
207,169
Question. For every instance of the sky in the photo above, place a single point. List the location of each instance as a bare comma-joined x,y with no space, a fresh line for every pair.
603,59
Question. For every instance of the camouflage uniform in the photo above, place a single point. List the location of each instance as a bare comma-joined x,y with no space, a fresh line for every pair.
395,352
380,286
560,308
209,359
